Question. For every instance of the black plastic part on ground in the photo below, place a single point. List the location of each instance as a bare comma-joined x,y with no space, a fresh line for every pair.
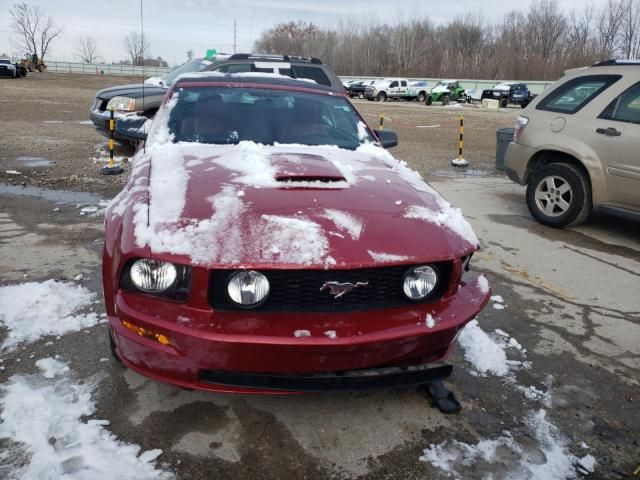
441,397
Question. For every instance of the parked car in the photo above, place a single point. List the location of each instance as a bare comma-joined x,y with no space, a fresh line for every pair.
134,104
392,88
419,90
446,91
247,254
7,69
576,145
509,93
356,89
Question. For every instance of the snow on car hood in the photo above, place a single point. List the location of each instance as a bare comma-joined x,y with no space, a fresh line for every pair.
286,205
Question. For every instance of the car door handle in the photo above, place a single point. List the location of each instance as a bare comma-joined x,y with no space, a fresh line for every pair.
610,132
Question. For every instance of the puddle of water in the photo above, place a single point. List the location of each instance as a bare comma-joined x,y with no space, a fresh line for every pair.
33,162
469,172
55,196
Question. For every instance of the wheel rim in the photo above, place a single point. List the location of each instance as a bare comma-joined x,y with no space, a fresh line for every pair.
553,196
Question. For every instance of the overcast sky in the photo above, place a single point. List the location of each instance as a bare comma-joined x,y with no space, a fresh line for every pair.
175,26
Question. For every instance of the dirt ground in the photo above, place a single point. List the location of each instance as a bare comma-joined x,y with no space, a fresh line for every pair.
569,298
49,121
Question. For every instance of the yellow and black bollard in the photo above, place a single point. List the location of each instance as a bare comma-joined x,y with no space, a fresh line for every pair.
112,168
381,124
461,141
460,162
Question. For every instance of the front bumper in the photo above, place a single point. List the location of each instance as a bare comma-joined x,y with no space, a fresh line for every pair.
101,119
262,355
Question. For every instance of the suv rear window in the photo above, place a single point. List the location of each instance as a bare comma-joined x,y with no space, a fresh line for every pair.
313,73
625,108
571,96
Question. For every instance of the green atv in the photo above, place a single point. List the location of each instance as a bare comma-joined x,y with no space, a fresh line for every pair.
446,91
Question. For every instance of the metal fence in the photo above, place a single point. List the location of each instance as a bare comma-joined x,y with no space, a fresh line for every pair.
105,69
535,87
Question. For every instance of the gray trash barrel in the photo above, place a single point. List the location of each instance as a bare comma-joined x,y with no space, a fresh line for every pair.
505,136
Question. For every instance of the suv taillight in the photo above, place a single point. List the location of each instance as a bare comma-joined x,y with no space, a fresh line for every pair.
520,124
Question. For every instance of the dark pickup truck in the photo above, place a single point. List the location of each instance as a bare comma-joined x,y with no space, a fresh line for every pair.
357,89
509,93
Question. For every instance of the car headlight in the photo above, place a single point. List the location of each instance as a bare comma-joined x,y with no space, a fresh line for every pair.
248,288
420,282
122,104
153,276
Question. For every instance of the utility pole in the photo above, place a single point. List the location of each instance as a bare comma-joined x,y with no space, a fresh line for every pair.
234,36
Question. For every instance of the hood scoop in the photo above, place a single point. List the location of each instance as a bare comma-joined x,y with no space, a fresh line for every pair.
297,169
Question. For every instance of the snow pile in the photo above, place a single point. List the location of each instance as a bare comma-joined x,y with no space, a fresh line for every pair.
498,302
456,457
447,217
483,284
381,257
33,310
216,238
302,333
430,321
254,167
45,420
345,222
482,352
297,240
51,367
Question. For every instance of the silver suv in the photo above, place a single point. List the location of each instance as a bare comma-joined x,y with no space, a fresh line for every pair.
577,145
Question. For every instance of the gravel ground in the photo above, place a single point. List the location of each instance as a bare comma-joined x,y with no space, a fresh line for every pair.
50,121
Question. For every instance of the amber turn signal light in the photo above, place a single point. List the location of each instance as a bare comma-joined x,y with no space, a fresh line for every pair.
146,333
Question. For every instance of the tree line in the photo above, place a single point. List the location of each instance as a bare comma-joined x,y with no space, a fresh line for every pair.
537,44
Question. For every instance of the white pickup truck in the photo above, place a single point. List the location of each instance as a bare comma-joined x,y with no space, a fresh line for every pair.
395,88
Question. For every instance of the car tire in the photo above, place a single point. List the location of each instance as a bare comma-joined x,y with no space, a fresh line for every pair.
524,104
112,347
428,101
503,103
382,97
445,100
559,195
421,97
361,96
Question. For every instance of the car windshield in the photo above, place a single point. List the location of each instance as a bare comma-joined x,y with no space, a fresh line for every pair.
193,66
503,86
222,115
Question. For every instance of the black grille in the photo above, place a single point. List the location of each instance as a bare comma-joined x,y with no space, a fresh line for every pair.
299,290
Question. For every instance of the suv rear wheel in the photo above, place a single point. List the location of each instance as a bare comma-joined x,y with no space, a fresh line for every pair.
381,97
559,195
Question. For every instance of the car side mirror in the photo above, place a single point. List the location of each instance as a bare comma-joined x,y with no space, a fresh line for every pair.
388,139
131,129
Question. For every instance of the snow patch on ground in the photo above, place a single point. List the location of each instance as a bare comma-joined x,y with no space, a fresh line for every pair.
456,457
483,284
44,422
33,310
482,352
51,367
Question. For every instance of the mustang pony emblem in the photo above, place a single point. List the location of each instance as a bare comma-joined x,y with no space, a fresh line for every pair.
338,289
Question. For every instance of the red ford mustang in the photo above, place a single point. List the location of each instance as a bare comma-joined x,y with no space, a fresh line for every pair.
266,243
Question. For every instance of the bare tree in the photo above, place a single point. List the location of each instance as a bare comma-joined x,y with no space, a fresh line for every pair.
34,28
630,41
86,49
609,26
137,47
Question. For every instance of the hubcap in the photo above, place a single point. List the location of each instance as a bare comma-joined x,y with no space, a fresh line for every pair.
553,196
